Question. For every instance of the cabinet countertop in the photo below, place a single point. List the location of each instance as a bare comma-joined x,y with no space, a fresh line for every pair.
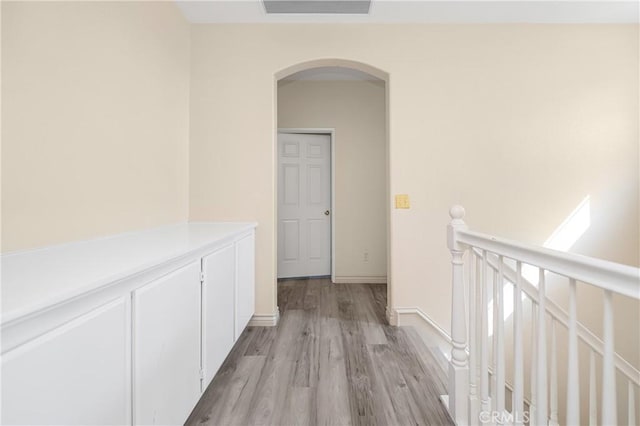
35,279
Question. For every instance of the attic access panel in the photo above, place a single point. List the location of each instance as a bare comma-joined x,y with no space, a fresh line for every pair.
317,6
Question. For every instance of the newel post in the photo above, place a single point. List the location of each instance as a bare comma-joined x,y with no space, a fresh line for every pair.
459,365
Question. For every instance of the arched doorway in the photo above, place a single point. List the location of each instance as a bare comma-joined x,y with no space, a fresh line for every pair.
359,207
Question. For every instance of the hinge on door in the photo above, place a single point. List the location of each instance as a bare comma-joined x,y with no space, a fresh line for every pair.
201,374
202,276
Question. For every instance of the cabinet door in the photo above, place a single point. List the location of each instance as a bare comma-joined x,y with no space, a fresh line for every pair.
245,282
77,374
166,347
217,309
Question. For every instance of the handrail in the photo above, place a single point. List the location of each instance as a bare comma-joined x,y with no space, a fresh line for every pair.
562,316
467,405
607,275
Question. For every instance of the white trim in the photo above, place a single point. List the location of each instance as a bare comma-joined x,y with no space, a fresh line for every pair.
332,142
359,280
414,316
432,333
392,317
387,178
612,276
265,320
444,400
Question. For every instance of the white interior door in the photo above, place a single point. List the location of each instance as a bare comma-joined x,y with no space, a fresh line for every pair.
304,205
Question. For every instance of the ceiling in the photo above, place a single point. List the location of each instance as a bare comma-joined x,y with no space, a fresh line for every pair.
331,74
424,11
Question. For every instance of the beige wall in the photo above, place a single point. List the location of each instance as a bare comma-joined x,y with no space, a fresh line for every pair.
356,110
95,119
516,122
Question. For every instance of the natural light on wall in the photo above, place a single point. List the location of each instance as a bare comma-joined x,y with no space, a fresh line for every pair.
562,239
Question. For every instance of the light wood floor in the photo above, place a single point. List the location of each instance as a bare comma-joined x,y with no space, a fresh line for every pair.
332,360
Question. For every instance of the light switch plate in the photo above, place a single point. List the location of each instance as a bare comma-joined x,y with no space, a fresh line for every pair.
402,201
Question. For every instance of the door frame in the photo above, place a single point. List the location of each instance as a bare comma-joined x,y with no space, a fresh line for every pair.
332,139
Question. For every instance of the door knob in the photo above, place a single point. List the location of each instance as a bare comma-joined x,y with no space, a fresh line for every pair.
326,212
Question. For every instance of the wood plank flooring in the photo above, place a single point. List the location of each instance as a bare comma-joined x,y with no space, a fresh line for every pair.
332,360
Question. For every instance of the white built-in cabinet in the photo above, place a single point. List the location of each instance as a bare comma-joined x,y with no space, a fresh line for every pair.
217,289
141,342
228,275
245,282
166,347
76,374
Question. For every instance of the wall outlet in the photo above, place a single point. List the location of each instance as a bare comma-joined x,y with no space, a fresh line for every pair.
365,256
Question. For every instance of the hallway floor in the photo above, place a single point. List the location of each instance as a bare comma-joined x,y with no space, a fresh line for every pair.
332,360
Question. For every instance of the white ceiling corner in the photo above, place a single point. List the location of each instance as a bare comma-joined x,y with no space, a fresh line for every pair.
425,11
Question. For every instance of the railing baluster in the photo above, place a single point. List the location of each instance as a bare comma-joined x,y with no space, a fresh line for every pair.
473,332
573,379
484,336
458,365
518,364
477,376
478,319
500,367
631,417
553,394
533,406
494,339
541,379
609,414
593,399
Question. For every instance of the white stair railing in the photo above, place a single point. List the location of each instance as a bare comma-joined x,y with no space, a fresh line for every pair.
477,376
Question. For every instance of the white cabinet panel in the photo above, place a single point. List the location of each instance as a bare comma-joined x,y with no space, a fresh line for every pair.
245,282
110,332
217,308
166,347
77,374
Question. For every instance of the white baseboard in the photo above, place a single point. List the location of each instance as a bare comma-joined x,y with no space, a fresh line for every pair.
392,318
425,326
444,399
265,320
432,333
360,280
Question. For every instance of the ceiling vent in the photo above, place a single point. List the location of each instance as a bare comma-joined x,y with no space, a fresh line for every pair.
318,6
